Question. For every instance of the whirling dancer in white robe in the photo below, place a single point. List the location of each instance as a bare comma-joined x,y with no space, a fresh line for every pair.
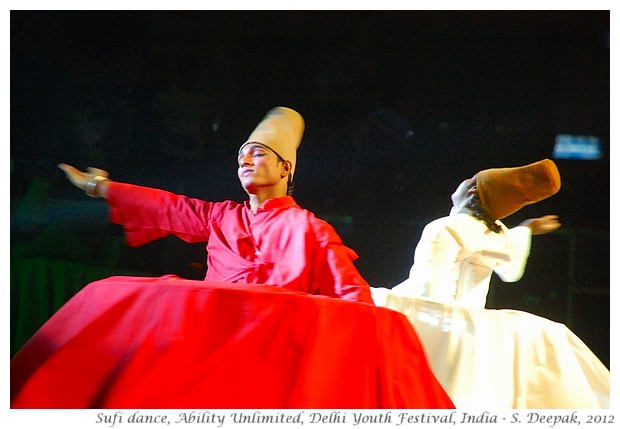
493,359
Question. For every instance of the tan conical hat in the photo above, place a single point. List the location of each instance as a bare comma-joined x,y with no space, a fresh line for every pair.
281,131
504,191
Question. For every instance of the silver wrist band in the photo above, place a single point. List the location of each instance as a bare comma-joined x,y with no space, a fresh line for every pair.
91,186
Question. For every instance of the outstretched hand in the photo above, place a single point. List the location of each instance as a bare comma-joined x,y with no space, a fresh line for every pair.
82,179
542,225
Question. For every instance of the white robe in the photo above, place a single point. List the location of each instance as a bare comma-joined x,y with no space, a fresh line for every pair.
490,359
457,255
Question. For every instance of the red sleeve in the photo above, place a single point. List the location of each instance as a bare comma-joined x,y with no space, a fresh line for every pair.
349,283
148,214
346,280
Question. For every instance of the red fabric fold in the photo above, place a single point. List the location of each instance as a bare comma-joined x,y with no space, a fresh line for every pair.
127,342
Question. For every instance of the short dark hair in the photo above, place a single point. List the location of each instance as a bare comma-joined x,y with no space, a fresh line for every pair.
290,185
481,213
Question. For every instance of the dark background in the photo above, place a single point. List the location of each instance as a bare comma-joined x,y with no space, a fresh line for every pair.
400,107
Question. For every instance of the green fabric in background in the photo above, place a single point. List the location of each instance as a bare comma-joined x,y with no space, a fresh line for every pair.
40,286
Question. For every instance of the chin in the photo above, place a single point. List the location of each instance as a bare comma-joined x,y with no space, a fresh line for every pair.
246,181
248,186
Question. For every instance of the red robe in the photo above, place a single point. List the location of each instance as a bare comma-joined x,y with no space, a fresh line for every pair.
128,342
264,330
281,245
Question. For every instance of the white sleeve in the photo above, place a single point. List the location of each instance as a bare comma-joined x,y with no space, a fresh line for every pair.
433,273
518,243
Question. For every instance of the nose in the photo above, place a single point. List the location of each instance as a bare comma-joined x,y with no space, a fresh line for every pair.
245,160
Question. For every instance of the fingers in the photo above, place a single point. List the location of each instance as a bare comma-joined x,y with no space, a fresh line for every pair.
552,226
97,172
547,224
65,167
543,224
550,220
69,170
